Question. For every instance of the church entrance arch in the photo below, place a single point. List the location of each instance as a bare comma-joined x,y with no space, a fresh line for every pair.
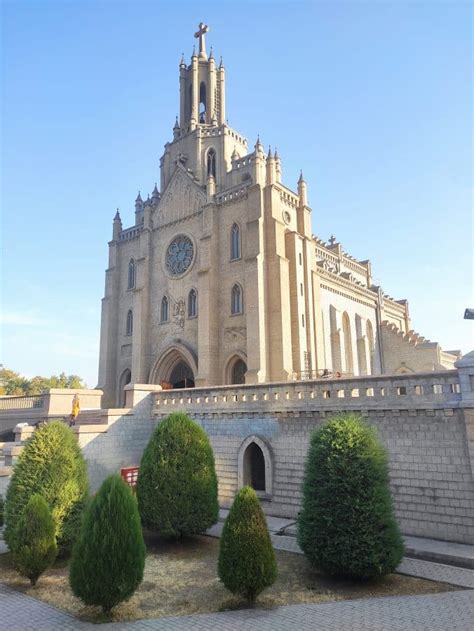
175,368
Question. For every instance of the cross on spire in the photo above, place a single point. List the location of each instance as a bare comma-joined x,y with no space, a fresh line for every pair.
200,34
332,240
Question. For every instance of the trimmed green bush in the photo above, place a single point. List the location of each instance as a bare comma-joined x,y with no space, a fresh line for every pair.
108,560
35,542
347,524
52,465
247,563
177,483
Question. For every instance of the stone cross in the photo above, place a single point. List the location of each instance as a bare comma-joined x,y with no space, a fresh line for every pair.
332,240
203,29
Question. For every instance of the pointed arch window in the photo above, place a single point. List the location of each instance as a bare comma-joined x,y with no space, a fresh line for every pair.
165,309
129,327
211,163
192,304
236,300
235,251
131,274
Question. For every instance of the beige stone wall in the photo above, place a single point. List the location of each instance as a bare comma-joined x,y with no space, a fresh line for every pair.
425,422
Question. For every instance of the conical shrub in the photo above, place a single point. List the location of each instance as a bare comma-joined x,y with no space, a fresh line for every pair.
247,563
51,465
347,524
177,483
108,560
35,542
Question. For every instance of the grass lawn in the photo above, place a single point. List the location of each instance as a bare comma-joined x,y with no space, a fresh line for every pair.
181,578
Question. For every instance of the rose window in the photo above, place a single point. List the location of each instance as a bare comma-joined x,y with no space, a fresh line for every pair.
179,255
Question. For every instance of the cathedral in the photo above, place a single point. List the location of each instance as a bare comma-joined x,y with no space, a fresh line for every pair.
220,279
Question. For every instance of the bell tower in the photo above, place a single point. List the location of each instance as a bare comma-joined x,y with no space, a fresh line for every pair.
202,88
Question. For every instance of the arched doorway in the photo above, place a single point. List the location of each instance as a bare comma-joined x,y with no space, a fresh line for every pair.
182,376
254,467
125,379
238,371
175,368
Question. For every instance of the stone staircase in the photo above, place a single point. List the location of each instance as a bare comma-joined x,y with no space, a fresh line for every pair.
90,417
411,352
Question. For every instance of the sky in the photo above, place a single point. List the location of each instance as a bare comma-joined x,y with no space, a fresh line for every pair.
373,100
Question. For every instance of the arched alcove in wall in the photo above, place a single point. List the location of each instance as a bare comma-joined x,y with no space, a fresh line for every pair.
235,369
125,379
255,466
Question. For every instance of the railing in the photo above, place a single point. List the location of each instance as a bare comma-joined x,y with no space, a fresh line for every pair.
130,233
233,193
22,403
324,373
427,390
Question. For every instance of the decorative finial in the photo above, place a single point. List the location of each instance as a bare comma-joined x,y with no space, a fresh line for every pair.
139,198
194,51
182,62
275,155
176,124
332,240
269,151
211,54
117,216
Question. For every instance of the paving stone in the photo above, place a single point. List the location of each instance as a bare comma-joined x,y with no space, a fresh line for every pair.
453,611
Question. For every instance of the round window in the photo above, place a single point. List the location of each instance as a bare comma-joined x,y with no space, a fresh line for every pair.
179,255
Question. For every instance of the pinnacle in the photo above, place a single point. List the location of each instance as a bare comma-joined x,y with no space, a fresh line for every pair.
139,197
117,216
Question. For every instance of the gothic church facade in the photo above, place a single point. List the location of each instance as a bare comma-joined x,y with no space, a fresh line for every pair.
220,279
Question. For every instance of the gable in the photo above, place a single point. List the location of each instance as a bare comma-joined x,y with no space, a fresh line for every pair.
181,198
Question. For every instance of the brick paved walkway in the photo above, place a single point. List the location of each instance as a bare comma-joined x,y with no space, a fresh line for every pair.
453,611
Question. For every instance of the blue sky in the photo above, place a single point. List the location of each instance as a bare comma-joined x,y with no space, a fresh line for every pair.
372,100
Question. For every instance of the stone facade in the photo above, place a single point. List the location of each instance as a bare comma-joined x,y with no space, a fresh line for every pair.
220,279
426,422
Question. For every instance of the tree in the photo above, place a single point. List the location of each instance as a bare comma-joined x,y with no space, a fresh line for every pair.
108,560
2,507
177,483
247,562
52,465
34,548
12,383
347,524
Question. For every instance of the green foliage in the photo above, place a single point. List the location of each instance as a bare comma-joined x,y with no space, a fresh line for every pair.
247,562
177,483
1,510
347,524
108,560
52,465
35,548
12,383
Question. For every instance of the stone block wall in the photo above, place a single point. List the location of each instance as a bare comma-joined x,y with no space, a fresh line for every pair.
425,421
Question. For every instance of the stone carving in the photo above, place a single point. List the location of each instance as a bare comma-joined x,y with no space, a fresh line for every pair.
181,198
235,332
179,313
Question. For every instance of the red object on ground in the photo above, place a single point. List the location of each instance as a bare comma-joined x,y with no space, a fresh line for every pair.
130,475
